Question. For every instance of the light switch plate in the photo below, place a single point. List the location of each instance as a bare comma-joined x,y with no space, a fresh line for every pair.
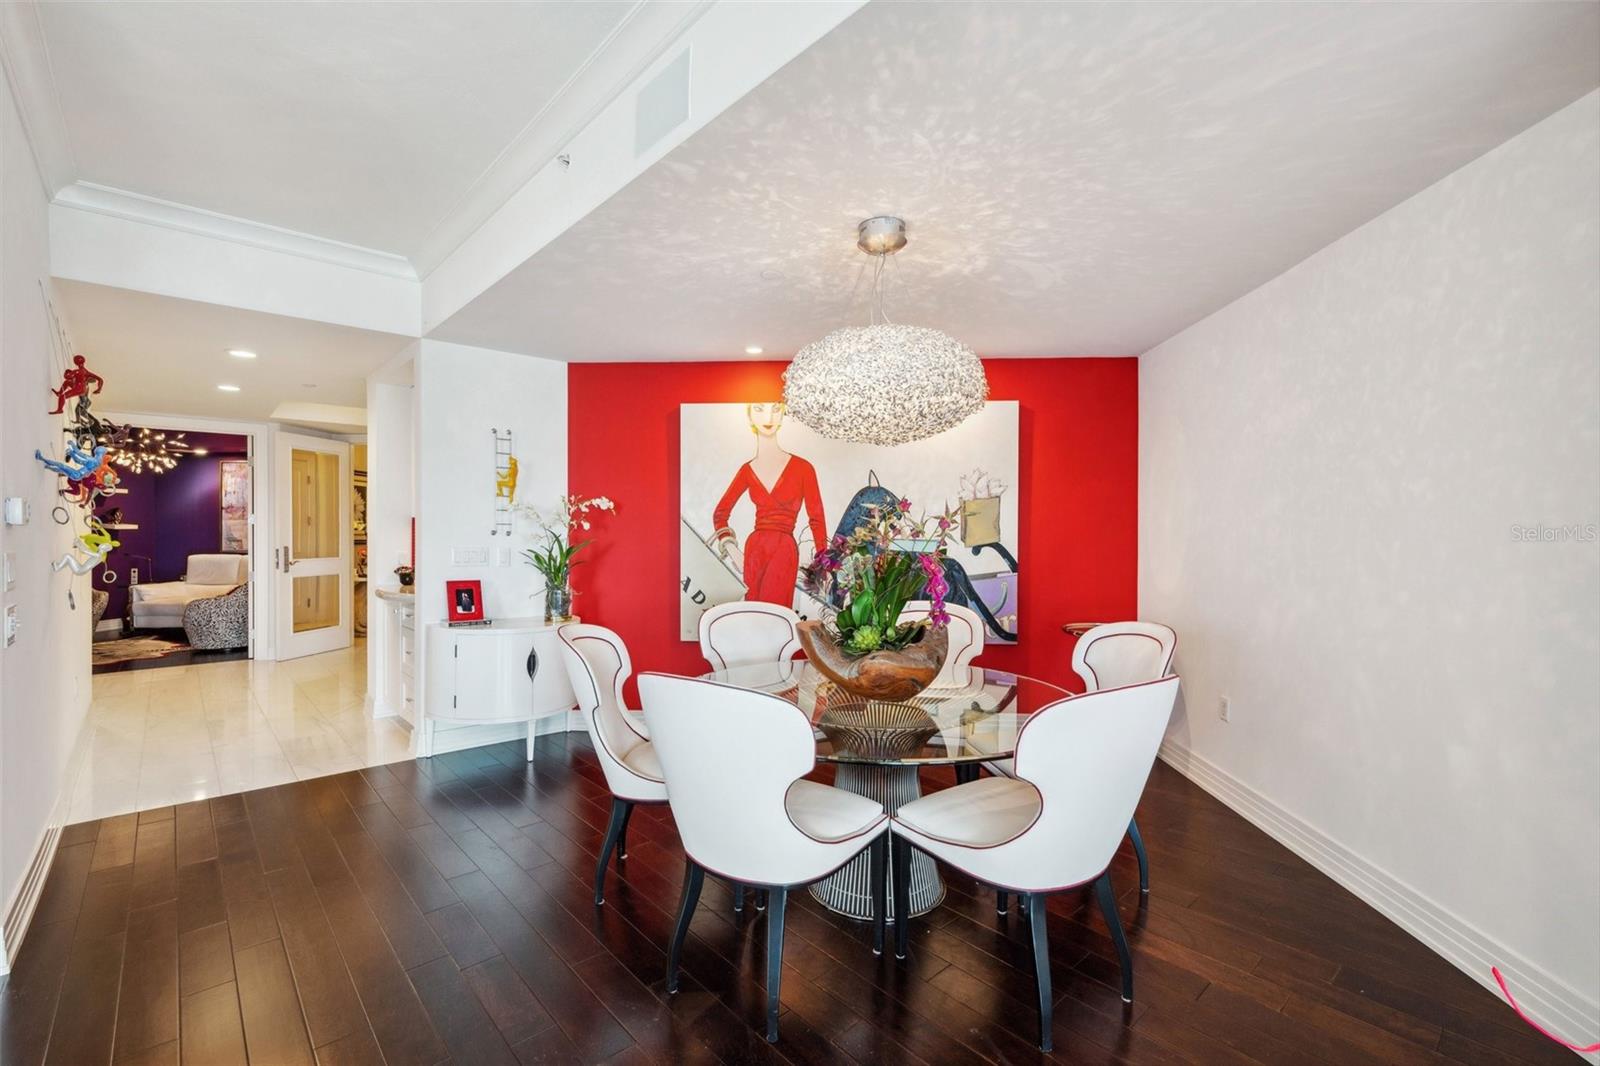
469,556
505,556
11,571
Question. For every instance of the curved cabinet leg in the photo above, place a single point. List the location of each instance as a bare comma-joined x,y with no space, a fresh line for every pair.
738,896
693,878
1108,909
761,899
1041,963
777,898
1001,901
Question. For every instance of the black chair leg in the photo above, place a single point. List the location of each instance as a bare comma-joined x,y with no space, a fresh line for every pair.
1022,906
965,772
776,900
622,835
693,878
1041,964
900,853
878,862
1002,900
1108,909
619,818
1144,860
761,899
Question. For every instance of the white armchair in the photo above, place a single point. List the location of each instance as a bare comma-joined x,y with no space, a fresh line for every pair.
1111,656
1081,766
598,665
734,760
748,632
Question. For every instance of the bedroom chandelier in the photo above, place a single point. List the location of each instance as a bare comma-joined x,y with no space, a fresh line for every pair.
884,383
147,447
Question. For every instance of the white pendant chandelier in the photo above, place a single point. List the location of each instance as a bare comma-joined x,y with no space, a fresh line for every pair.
884,383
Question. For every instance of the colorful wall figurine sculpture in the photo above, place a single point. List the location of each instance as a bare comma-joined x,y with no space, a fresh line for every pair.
86,467
75,381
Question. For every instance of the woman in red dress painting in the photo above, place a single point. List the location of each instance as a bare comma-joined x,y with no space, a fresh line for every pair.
778,484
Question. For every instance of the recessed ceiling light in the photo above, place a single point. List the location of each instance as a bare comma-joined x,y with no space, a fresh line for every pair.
754,349
228,388
241,353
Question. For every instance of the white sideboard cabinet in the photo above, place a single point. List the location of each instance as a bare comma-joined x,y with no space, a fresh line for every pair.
510,671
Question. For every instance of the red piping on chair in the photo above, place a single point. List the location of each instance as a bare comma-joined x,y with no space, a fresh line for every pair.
596,732
793,640
1166,667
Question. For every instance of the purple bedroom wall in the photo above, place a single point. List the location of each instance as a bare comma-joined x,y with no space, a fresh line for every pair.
178,513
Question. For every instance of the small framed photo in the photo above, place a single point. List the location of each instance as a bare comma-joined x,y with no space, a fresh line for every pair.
465,600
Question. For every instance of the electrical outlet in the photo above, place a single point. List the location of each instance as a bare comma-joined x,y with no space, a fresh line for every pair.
1222,708
12,624
133,575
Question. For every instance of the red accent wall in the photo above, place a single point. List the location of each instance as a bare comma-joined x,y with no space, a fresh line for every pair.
1078,467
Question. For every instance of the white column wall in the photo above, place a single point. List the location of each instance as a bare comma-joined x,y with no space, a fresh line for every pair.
461,393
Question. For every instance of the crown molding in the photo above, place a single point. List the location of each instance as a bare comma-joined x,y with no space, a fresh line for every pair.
26,58
642,37
86,196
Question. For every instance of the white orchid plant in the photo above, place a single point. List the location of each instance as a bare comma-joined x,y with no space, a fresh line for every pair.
554,551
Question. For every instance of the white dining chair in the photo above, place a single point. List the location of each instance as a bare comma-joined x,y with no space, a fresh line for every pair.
965,634
748,632
1111,656
597,665
1081,764
734,760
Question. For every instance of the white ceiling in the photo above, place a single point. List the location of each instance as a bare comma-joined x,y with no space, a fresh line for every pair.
1079,178
365,123
166,355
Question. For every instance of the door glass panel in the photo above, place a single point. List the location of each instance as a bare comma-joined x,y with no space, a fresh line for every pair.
317,523
316,602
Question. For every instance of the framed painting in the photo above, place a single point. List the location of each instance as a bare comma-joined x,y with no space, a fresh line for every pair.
759,491
235,504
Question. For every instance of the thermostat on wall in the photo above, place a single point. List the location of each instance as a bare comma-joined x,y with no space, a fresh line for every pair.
18,511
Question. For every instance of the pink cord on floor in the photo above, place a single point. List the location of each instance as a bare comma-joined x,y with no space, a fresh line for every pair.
1521,1014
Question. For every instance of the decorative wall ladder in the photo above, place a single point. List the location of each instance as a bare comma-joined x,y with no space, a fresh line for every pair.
504,465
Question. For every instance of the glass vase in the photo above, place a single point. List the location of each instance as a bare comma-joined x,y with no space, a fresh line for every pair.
558,603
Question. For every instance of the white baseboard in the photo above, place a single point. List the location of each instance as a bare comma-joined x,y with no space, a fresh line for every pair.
109,625
1556,1005
19,909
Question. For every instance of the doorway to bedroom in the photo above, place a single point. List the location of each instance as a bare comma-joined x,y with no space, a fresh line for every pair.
176,589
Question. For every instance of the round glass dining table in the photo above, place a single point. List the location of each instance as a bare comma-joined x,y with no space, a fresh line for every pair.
879,746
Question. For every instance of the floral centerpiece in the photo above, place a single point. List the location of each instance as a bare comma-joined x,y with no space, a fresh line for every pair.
890,560
554,553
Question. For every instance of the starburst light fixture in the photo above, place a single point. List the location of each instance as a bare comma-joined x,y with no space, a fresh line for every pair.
884,383
149,447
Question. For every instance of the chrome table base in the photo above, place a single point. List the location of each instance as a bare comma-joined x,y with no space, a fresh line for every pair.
849,890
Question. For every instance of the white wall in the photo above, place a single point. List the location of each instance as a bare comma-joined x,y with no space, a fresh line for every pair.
1332,471
461,393
391,484
44,682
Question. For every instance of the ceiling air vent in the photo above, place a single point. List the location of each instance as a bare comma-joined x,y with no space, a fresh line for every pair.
662,105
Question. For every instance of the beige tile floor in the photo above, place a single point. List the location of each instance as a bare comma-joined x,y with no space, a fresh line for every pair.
182,733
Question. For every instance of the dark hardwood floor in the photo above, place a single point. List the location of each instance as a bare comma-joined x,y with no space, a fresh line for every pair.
441,911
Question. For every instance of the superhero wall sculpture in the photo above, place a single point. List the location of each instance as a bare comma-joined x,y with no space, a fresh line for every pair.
84,467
